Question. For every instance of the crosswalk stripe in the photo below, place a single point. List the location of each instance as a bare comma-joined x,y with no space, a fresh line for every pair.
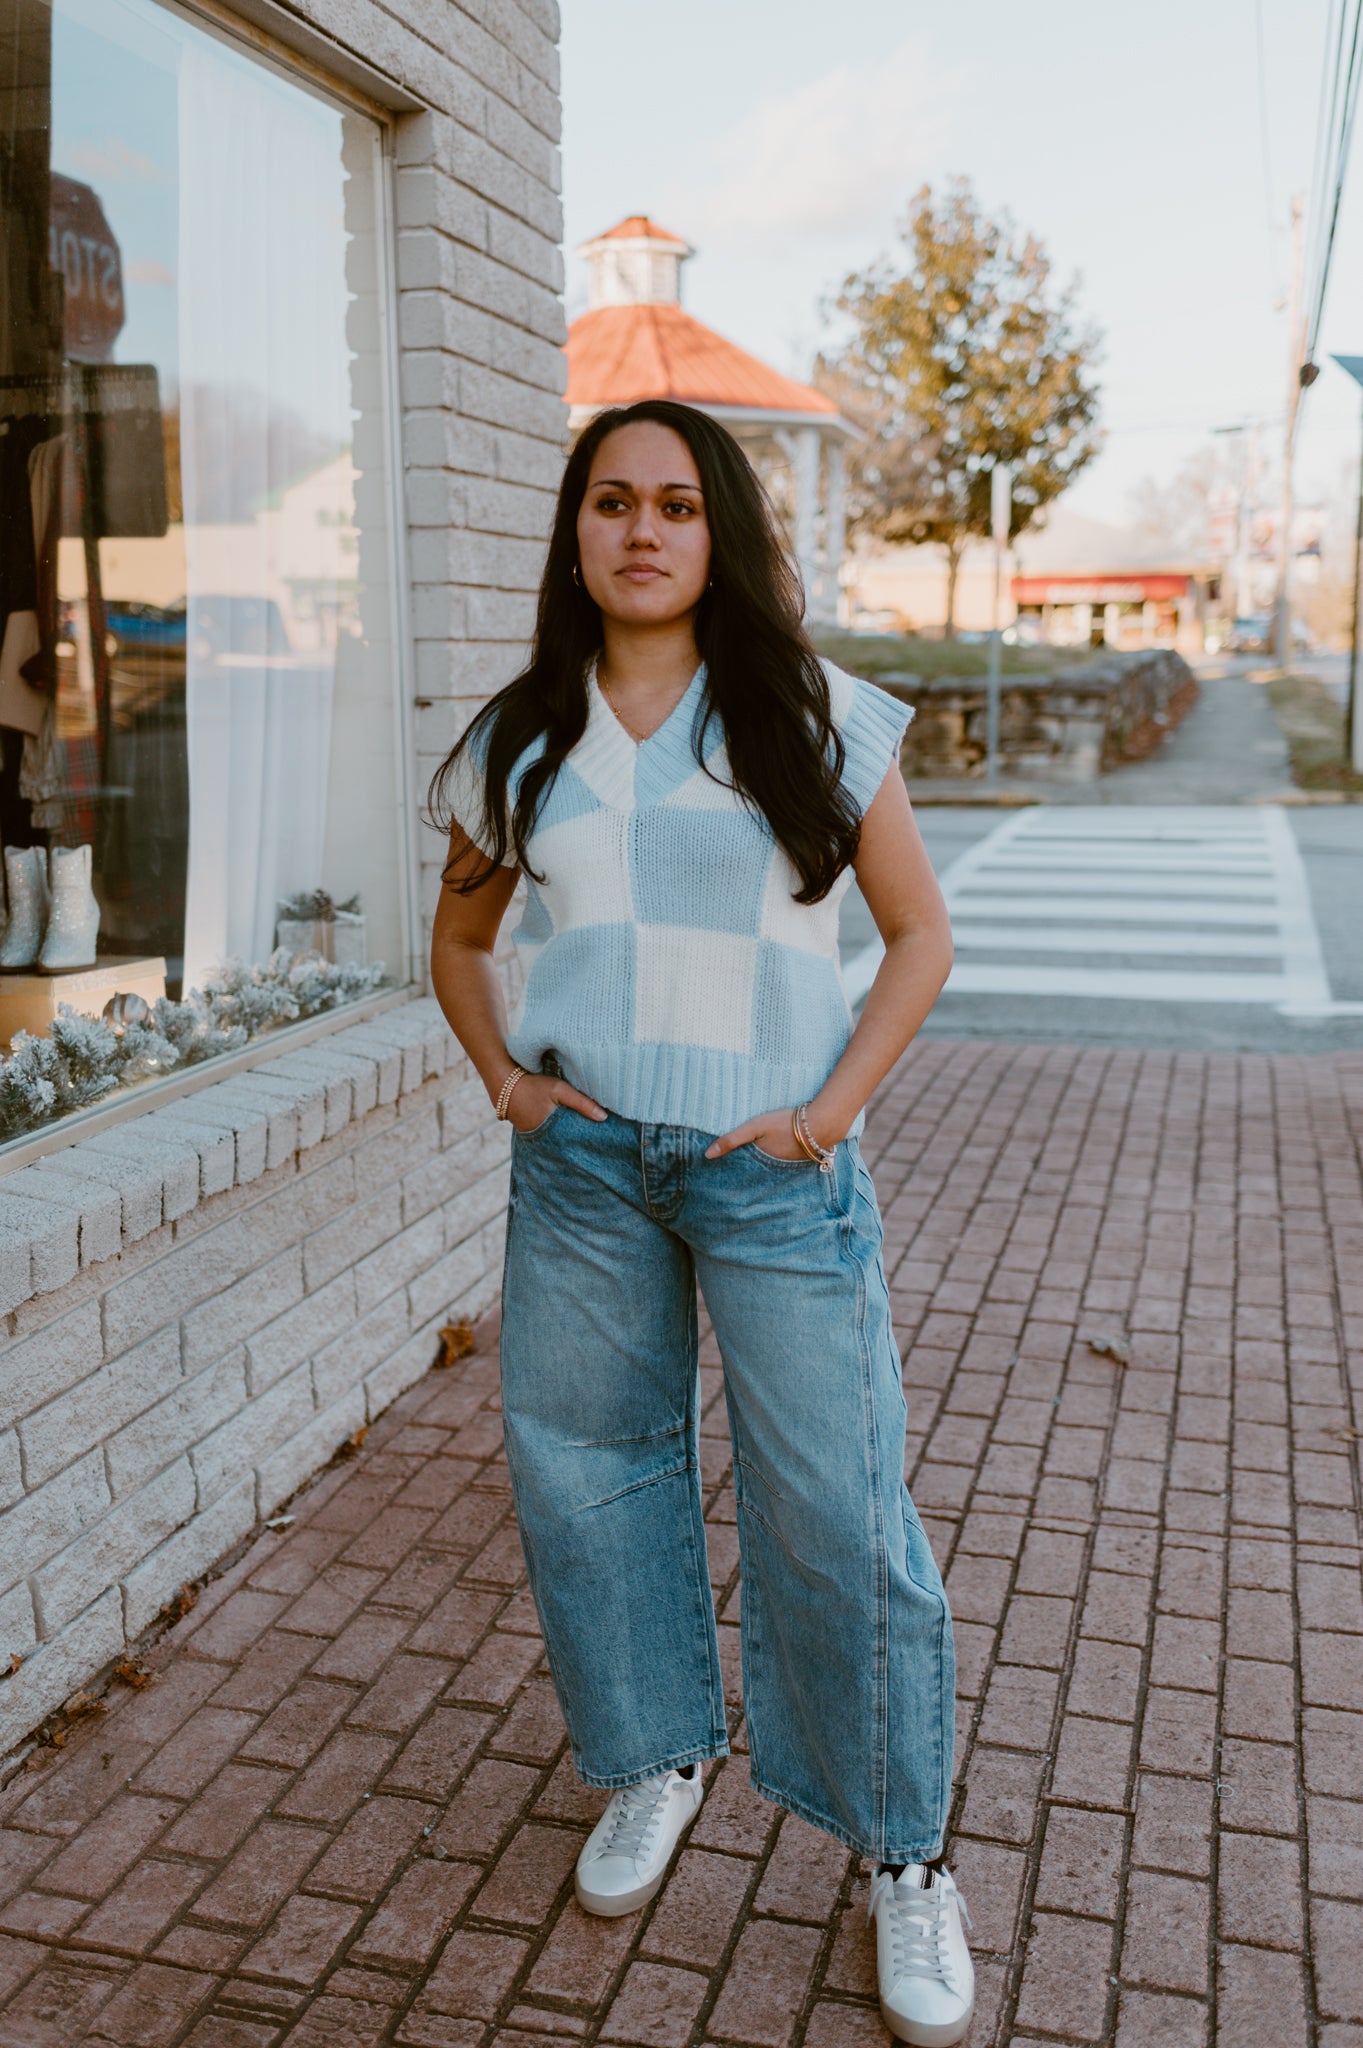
1170,861
1133,910
1240,945
1129,984
1028,881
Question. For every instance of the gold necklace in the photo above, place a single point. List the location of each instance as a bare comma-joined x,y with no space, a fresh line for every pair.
637,737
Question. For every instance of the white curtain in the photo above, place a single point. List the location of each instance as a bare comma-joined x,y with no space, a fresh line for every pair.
264,409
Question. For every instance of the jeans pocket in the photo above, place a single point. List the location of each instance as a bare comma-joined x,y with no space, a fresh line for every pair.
536,1130
773,1159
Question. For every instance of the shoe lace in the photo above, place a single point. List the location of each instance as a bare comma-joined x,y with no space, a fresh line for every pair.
636,1812
917,1926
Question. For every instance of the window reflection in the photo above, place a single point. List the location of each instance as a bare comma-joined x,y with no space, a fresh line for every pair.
196,657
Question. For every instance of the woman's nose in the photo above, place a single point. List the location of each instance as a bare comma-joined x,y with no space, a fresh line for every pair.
643,532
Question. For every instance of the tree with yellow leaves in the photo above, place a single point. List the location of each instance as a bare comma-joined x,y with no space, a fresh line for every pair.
962,357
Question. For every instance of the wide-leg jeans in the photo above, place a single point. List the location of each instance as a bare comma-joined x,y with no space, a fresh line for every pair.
848,1670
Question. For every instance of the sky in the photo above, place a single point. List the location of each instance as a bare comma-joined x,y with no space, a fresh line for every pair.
785,142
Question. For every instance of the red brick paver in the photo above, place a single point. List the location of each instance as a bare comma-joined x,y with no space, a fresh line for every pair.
343,1813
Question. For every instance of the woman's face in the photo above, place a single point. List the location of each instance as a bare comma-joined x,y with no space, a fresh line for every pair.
642,536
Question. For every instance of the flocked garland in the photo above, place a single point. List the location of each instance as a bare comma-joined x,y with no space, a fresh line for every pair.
83,1059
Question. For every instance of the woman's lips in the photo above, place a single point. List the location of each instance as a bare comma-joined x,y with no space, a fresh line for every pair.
640,572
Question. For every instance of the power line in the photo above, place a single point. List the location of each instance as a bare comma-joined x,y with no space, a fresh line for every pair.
1340,84
1349,110
1265,154
1325,113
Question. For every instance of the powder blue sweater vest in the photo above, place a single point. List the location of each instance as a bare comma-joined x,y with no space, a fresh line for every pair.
665,962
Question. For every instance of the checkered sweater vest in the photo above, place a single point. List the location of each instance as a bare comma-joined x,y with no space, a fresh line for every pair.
666,963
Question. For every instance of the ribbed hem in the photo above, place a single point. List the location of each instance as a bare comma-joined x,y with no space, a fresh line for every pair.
680,1084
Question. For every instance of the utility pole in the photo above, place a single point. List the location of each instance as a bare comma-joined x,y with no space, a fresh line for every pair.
1353,709
1353,703
1246,504
1296,351
1245,597
1000,520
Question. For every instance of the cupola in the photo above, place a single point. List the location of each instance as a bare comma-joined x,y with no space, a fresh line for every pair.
635,263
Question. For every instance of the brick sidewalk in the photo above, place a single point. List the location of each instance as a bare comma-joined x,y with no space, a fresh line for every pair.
342,1815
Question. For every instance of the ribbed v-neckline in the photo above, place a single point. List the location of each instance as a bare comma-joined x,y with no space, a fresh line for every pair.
685,698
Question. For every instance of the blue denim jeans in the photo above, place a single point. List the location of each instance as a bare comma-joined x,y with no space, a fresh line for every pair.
848,1669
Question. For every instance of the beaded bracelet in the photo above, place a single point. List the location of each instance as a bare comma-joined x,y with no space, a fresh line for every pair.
823,1155
516,1074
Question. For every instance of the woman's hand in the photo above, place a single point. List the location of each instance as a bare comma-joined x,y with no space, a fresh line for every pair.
535,1096
774,1132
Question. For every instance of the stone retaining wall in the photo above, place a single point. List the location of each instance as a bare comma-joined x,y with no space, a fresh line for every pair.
1068,727
221,1293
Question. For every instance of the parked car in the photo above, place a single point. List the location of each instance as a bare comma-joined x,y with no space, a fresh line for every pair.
237,625
1252,634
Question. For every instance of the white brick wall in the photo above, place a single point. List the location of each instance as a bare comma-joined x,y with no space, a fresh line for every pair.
160,1401
202,1303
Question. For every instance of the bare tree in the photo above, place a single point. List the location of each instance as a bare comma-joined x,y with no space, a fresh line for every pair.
1177,515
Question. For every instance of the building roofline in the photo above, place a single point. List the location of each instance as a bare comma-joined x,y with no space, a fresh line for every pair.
751,415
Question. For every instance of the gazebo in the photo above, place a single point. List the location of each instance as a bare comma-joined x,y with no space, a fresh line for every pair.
635,341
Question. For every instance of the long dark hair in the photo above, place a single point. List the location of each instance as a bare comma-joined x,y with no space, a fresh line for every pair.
764,681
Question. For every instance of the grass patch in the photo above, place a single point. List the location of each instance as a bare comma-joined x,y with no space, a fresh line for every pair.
1312,722
878,654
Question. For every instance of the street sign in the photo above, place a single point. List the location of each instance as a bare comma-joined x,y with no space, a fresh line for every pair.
82,247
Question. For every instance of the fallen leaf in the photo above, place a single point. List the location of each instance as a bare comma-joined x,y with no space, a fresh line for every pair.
456,1341
135,1675
1115,1347
59,1739
15,1661
81,1705
178,1607
351,1447
1344,1433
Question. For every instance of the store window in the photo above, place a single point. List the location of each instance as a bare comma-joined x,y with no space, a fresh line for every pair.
198,659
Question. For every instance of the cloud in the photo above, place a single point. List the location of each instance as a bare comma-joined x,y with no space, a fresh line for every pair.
146,270
835,159
113,163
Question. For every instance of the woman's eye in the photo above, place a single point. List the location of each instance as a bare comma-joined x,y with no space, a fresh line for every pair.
610,504
681,505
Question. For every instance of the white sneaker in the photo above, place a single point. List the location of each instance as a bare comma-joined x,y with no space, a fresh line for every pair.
625,1857
927,1980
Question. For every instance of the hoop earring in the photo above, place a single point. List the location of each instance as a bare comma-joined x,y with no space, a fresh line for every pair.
577,575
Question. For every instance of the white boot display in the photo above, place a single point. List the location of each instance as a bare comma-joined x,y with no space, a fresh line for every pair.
26,882
73,916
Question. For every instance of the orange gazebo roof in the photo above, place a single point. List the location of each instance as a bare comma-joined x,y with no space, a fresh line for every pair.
638,227
618,354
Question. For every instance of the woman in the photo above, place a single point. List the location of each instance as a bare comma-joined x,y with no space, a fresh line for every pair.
688,791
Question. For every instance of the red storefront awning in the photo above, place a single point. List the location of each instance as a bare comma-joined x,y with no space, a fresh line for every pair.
1130,588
